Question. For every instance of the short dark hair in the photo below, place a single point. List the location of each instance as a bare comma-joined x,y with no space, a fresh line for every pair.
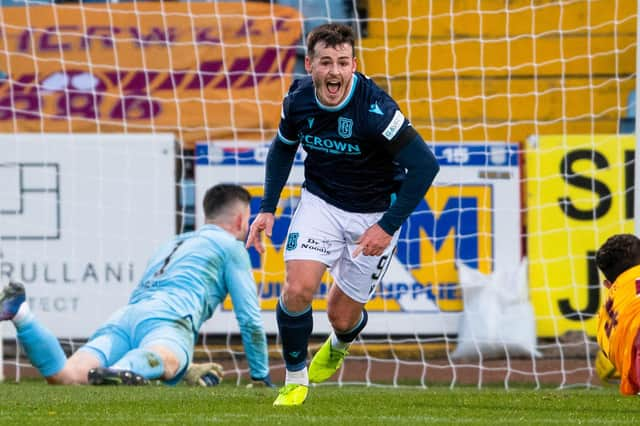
332,34
221,196
619,253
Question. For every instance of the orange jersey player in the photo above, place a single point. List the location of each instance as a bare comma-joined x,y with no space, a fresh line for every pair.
619,318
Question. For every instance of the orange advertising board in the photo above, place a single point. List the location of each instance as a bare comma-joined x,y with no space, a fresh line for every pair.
200,70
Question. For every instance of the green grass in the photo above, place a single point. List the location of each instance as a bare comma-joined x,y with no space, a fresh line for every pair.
36,403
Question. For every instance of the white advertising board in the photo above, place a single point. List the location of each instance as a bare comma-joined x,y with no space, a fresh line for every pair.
471,214
80,215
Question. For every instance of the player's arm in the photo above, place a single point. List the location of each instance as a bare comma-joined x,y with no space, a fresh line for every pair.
422,167
246,307
280,158
279,161
278,166
408,150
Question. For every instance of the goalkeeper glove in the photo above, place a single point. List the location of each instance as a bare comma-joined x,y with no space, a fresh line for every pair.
606,370
261,383
206,374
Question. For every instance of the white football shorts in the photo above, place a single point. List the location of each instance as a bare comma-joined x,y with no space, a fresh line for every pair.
327,234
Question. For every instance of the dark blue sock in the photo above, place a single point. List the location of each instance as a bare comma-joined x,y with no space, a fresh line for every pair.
350,335
295,329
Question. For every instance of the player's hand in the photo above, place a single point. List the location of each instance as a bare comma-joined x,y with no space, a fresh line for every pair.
262,222
261,383
373,242
205,375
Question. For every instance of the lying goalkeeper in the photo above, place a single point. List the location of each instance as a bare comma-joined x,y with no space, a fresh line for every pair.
619,318
153,337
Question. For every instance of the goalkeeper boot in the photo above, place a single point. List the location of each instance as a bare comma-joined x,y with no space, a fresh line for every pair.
11,297
325,362
111,376
291,395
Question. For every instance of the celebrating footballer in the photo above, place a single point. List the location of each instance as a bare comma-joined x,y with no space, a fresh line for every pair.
366,170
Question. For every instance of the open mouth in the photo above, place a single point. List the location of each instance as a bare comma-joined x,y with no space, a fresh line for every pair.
333,87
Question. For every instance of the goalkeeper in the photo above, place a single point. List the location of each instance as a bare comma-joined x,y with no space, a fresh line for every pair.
619,318
153,337
366,170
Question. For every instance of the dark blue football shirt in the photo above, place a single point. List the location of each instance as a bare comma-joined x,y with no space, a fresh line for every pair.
350,147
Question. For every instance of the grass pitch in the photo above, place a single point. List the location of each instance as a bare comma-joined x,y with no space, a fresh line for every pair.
32,402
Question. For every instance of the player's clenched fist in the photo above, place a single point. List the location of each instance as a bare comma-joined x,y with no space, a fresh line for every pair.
262,222
373,242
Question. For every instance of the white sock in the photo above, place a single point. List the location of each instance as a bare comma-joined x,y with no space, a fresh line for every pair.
297,377
337,343
23,315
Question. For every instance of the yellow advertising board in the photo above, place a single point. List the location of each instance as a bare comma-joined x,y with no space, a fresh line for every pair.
579,192
200,70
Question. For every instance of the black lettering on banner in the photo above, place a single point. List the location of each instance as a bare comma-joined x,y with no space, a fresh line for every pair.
629,182
593,294
590,184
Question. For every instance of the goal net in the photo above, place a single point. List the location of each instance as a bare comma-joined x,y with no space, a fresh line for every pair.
116,117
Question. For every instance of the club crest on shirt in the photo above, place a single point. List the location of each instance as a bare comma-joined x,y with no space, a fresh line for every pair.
292,241
345,126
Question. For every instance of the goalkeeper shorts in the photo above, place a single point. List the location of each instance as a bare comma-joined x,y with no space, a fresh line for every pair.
143,325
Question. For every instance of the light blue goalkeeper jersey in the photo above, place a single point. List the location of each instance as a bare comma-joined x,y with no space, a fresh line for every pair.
194,273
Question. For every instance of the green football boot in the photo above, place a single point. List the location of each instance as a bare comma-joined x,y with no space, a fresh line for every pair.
325,362
291,395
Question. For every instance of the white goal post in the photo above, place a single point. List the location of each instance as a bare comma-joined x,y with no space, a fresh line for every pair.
526,104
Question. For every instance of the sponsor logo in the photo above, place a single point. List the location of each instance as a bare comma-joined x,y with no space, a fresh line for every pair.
345,126
315,245
330,146
310,121
394,126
